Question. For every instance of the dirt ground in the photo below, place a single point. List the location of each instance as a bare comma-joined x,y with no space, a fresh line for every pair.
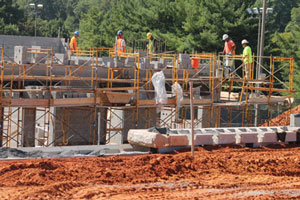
215,173
283,119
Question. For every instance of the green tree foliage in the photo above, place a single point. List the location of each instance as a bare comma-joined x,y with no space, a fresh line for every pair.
287,44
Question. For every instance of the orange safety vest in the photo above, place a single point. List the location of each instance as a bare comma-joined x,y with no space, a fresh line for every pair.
73,44
120,48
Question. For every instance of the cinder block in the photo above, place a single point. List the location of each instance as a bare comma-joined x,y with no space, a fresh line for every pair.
226,138
291,137
61,58
248,138
20,55
269,138
204,139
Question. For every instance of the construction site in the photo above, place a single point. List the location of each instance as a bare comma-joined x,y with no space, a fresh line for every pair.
92,103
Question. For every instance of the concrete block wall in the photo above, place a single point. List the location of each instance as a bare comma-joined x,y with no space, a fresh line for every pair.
78,126
10,41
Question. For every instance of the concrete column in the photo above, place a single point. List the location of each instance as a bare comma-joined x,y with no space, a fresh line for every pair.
1,124
28,137
137,119
102,117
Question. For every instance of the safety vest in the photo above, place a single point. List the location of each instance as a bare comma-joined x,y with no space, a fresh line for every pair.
120,47
73,44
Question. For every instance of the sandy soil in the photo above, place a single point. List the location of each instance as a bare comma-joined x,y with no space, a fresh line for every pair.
215,173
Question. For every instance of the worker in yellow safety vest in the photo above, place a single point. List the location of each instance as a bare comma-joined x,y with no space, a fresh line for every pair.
247,58
73,42
120,45
151,46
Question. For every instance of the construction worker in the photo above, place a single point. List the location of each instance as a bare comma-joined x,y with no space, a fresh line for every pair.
247,58
73,42
229,50
120,45
151,46
229,47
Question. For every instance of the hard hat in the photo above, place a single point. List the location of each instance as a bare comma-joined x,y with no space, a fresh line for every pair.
149,35
244,41
120,32
76,33
225,36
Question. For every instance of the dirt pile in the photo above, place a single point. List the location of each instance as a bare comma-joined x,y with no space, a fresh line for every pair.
283,119
215,173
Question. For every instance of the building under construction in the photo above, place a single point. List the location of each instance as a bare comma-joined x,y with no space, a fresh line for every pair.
52,98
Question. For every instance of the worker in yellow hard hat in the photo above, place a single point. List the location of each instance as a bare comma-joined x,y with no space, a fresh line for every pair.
151,44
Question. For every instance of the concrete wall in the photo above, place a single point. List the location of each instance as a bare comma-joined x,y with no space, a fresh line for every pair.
75,126
10,41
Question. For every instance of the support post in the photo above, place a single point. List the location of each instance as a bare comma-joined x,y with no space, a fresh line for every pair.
192,118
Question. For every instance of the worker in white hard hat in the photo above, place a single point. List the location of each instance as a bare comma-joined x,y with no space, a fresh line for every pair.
247,58
229,47
151,46
229,50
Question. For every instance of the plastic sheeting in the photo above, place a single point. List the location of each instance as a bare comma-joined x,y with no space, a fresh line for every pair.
177,90
158,81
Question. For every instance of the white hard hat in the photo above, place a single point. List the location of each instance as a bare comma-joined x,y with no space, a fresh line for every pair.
225,36
244,41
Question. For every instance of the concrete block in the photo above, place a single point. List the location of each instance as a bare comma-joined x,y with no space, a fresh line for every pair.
248,138
226,138
269,138
20,55
204,139
61,58
142,137
291,137
295,120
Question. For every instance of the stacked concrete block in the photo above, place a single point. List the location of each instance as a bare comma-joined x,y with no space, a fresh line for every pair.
130,62
145,63
157,65
108,62
37,57
185,61
83,61
20,55
61,58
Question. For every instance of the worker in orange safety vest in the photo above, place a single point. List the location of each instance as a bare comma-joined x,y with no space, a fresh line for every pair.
73,42
120,45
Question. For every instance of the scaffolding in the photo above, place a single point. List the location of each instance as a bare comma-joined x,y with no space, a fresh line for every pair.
91,86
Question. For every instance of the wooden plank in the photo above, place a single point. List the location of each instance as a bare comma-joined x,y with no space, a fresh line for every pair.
26,102
74,102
